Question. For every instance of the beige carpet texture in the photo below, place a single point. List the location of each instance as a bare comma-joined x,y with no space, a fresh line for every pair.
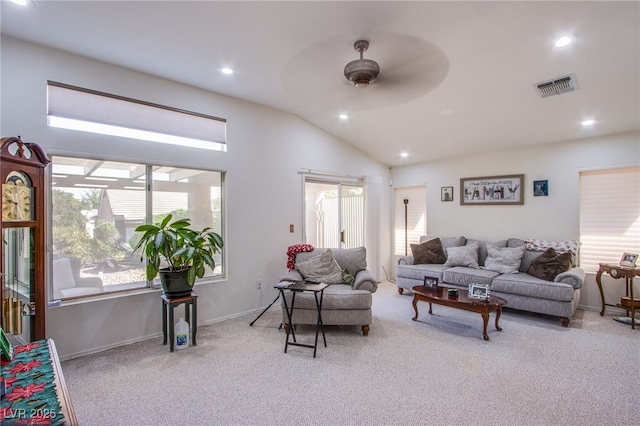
434,371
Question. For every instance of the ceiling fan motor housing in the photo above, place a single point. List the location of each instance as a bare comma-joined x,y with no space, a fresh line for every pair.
361,72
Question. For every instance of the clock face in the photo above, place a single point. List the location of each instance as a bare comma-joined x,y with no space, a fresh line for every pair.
17,198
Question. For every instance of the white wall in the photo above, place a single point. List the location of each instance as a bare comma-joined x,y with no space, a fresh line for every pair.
555,217
266,149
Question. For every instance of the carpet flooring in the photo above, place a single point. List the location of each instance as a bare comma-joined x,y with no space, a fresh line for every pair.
434,371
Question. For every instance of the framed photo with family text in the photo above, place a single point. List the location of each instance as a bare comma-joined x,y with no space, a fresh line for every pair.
492,190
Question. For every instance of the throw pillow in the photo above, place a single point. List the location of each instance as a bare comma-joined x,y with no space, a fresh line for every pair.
322,268
570,246
429,252
446,242
505,260
463,256
353,260
347,278
549,264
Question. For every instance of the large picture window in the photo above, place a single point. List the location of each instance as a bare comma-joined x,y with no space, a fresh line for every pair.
96,206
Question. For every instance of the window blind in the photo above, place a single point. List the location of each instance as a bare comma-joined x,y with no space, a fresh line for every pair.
69,104
609,216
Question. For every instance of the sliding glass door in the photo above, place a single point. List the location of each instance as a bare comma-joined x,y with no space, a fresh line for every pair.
334,214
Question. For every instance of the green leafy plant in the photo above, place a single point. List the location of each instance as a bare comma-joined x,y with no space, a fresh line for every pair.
179,246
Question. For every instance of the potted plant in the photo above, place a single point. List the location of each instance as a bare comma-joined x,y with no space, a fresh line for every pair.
184,251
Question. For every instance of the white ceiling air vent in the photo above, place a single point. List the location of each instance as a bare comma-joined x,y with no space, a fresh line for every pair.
557,86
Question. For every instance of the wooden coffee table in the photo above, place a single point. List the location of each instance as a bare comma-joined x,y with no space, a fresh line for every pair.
462,301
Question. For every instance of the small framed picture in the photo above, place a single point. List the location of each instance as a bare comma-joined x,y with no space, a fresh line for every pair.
540,188
446,193
479,291
629,260
430,283
5,346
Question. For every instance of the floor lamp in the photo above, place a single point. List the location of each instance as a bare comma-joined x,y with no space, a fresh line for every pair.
406,201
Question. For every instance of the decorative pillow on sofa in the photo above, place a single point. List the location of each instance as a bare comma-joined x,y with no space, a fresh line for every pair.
570,246
549,264
463,256
505,260
428,252
321,268
446,242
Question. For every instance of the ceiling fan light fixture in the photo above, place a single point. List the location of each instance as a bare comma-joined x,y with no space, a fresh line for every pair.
361,72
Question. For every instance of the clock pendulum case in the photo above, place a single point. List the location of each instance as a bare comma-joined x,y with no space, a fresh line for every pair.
22,223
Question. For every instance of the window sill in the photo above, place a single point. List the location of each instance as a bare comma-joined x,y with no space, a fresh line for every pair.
117,295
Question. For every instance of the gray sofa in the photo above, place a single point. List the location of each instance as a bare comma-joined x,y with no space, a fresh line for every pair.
343,304
558,296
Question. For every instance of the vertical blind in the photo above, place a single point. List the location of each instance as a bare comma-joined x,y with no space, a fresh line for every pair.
416,224
609,215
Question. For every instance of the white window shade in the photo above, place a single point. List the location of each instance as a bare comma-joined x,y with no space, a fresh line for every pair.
609,216
68,106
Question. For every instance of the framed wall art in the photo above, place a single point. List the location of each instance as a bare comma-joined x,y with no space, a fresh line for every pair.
540,188
446,193
491,190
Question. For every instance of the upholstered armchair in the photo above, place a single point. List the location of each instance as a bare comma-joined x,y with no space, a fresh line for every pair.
347,301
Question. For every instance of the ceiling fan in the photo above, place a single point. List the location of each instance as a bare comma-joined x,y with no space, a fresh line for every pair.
409,72
361,72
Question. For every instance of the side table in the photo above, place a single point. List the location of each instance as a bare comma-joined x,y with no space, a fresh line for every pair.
617,271
298,288
167,305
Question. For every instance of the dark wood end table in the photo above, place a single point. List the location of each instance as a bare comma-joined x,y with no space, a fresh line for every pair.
617,271
461,301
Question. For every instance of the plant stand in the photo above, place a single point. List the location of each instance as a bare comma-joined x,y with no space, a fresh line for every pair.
167,305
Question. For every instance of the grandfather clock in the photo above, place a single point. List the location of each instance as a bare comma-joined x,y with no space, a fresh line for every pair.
22,168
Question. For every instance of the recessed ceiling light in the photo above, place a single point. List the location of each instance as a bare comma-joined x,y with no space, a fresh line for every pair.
20,2
564,41
588,122
343,116
226,70
404,154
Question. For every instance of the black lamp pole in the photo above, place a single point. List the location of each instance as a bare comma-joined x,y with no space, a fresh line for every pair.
406,201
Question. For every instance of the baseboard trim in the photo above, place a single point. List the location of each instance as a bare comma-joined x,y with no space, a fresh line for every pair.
149,336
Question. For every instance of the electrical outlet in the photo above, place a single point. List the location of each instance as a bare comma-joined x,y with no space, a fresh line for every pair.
259,284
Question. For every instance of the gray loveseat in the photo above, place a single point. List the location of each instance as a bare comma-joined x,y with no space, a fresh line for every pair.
557,296
343,304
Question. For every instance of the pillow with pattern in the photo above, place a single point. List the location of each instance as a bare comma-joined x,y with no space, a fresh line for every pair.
549,264
463,256
323,268
428,252
570,246
505,260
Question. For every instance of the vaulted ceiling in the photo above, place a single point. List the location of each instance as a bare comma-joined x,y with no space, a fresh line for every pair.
456,77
